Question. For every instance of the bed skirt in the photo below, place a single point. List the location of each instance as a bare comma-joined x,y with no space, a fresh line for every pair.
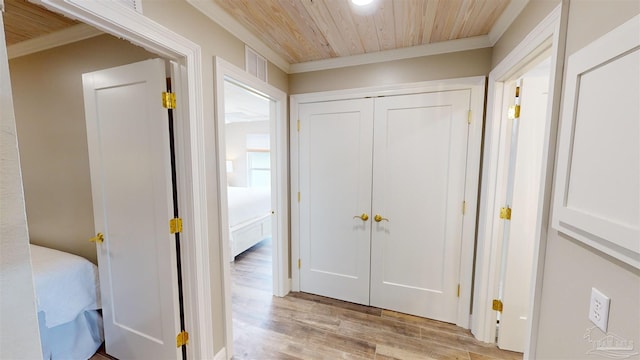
77,339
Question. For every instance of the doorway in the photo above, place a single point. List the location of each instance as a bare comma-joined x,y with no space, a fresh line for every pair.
525,108
190,142
253,172
544,41
56,175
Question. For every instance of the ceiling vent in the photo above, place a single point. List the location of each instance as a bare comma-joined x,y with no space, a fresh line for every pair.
132,4
255,64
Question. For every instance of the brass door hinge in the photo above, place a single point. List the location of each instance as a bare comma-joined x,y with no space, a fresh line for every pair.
298,125
505,213
514,112
469,117
175,225
168,100
299,263
458,290
298,196
497,305
182,339
464,207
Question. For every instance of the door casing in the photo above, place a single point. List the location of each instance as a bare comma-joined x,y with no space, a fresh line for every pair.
278,132
477,87
192,145
548,34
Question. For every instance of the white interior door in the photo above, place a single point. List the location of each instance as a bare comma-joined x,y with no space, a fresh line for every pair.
420,152
129,156
335,191
519,247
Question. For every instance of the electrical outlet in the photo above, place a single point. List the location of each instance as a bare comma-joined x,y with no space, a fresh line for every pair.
599,309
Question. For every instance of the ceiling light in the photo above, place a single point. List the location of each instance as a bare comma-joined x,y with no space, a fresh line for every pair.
361,2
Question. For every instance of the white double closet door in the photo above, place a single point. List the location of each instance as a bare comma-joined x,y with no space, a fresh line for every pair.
381,194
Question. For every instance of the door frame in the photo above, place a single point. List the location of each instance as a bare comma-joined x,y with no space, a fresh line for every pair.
477,87
191,142
280,253
550,34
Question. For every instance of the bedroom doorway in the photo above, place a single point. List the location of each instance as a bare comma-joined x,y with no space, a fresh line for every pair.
253,195
248,167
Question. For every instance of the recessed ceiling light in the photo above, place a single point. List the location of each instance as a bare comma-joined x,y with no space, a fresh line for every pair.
361,2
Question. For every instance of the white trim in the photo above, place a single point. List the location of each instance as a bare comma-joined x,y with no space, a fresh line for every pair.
294,186
386,90
222,18
608,234
477,87
52,40
122,22
505,20
224,70
442,47
546,33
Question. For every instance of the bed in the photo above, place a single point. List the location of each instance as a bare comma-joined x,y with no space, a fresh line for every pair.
68,298
249,217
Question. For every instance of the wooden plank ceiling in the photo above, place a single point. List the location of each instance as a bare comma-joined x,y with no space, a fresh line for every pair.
307,30
24,21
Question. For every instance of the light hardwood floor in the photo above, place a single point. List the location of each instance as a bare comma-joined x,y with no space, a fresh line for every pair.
305,326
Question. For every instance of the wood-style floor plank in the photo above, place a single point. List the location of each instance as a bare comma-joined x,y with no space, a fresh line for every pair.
306,326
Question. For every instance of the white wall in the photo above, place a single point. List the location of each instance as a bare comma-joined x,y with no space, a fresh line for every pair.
19,336
236,141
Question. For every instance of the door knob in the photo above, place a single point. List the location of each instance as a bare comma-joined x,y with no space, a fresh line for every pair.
379,218
99,238
363,217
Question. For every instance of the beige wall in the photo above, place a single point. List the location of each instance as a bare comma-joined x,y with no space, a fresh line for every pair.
533,13
47,90
571,268
18,320
435,67
185,20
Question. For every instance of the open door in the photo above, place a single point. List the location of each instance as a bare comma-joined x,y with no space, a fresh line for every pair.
524,177
133,199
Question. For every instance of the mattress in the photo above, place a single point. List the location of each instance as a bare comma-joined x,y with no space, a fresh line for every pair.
247,204
66,285
68,296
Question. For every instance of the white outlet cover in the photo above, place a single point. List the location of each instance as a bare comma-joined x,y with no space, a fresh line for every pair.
599,309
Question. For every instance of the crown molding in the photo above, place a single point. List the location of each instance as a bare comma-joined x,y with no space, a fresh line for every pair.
443,47
505,20
52,40
222,18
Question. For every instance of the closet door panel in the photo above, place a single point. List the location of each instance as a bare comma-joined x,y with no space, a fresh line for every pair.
420,147
335,190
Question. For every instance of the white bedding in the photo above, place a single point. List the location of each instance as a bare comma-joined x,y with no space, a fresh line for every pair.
68,296
246,204
66,285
